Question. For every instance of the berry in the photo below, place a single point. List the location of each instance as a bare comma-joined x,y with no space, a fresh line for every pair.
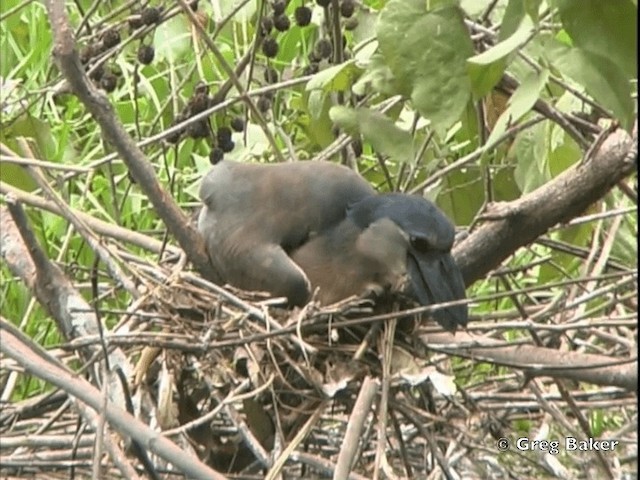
356,145
323,3
201,88
264,104
266,25
303,16
270,47
223,135
350,23
311,69
270,75
347,7
198,129
135,22
110,38
146,54
96,75
282,23
150,15
175,136
198,103
323,49
108,82
237,124
227,146
313,57
278,7
87,53
216,155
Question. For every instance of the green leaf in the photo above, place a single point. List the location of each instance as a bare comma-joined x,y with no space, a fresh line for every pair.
512,19
473,8
377,76
377,129
531,154
486,69
601,78
426,52
564,156
316,123
528,93
172,39
338,78
607,29
520,103
532,7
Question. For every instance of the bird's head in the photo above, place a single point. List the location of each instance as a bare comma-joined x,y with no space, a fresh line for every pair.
433,275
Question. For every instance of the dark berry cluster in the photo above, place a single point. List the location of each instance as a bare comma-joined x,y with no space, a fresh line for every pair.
199,102
279,20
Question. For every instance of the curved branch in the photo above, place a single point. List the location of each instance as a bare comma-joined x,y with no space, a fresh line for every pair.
38,362
537,361
65,53
514,224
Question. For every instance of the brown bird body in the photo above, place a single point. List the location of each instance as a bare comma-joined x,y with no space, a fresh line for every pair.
291,228
254,215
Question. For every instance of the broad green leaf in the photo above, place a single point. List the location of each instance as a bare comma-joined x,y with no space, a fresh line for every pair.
512,19
172,39
602,79
366,28
316,103
520,103
626,245
531,155
528,93
426,52
380,131
606,28
486,69
243,14
564,156
314,118
473,8
432,5
378,75
532,7
335,79
458,187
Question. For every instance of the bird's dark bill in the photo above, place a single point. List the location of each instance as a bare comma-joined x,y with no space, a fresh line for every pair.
435,278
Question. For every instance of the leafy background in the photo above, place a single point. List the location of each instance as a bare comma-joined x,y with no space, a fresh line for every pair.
438,97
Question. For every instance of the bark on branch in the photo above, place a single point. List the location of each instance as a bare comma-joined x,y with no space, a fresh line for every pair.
67,58
511,225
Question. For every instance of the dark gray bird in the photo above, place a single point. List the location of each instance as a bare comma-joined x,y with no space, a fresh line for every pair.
291,228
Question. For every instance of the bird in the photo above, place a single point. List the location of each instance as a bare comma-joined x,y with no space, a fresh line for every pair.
295,228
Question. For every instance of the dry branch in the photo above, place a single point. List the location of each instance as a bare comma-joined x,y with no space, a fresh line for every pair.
510,225
98,105
537,361
38,362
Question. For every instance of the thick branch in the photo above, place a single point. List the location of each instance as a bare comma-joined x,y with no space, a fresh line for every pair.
514,224
55,292
537,361
100,227
113,131
37,362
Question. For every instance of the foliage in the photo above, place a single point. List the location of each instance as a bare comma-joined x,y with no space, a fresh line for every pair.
416,85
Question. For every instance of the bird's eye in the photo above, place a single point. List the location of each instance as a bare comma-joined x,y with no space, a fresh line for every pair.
421,244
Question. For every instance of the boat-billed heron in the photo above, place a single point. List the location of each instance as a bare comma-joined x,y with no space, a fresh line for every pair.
291,228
